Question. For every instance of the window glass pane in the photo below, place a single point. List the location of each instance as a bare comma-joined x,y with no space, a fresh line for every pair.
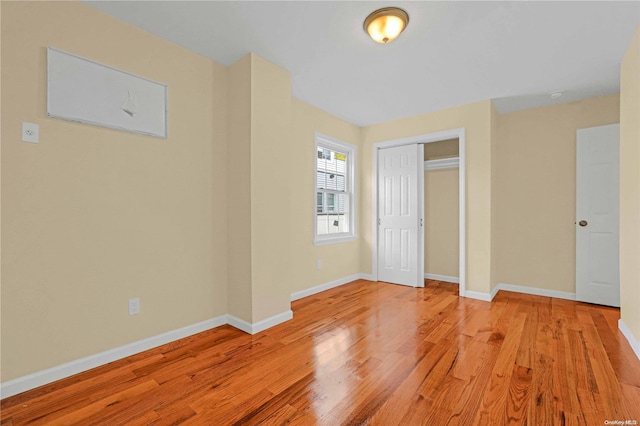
337,223
333,195
332,181
323,224
331,202
331,169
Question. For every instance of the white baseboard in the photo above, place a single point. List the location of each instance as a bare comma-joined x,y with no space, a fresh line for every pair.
260,325
478,295
537,291
32,381
272,321
368,277
326,286
445,278
635,344
240,324
495,291
488,297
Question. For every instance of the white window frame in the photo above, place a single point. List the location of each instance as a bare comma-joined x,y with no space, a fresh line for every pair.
324,141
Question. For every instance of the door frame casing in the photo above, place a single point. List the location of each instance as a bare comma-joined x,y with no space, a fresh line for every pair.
458,133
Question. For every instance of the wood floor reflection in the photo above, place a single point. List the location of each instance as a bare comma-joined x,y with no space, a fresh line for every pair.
369,353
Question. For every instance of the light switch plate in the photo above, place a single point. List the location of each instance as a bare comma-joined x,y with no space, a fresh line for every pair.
30,132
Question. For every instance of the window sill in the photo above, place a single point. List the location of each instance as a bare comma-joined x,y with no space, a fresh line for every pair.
334,240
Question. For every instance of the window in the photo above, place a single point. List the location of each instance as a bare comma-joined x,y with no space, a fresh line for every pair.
334,191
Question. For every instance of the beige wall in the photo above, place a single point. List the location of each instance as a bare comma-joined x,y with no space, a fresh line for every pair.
494,197
441,149
476,119
630,187
441,236
187,224
338,260
271,146
270,188
92,217
239,190
534,187
259,185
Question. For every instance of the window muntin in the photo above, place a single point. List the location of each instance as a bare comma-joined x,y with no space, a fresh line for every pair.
334,200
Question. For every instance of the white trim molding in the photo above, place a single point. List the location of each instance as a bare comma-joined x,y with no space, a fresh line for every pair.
494,291
327,286
321,140
445,278
478,295
459,134
259,326
488,297
633,342
537,291
32,381
336,240
442,163
40,378
272,321
240,324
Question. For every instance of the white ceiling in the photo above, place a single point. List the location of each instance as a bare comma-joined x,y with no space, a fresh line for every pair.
452,53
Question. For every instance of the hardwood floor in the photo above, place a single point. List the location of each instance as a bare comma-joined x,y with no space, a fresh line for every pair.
369,353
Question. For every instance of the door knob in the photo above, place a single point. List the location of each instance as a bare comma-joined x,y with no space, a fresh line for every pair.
583,223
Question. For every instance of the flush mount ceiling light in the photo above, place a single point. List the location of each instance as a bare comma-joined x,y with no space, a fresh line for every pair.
385,24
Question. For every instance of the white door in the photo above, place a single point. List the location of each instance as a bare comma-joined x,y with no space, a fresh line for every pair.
597,249
400,235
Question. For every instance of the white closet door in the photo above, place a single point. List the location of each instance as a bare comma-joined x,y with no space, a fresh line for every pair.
400,231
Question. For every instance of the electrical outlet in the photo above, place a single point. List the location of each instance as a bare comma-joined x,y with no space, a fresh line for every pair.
134,306
30,132
319,264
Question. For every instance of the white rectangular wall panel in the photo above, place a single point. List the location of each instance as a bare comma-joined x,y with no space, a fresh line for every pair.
85,91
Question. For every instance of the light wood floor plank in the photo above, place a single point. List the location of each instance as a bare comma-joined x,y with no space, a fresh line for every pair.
369,353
